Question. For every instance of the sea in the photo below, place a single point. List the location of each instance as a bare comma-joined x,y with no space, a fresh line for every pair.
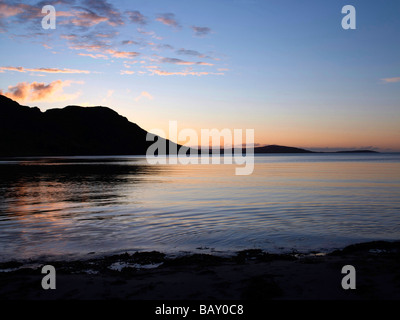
80,207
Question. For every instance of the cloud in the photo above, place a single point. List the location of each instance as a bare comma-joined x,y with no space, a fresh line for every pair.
182,62
88,47
160,46
201,31
35,91
93,29
44,70
106,35
94,56
182,73
127,42
131,62
127,72
136,17
23,11
102,7
86,18
149,33
391,80
18,11
194,53
70,37
90,41
91,13
150,67
123,54
8,10
87,14
110,93
55,2
106,99
168,19
144,94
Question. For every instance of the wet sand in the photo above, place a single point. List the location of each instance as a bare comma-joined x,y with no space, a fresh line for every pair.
249,275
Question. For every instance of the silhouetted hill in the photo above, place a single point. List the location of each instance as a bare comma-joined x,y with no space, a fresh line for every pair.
73,130
279,149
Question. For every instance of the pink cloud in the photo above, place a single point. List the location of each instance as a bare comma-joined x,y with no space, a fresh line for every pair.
123,54
182,62
168,19
144,94
85,19
94,56
391,80
127,72
7,10
44,70
35,91
183,73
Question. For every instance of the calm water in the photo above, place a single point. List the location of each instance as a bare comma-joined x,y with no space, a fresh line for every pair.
74,206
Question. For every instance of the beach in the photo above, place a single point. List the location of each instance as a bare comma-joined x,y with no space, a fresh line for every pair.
249,275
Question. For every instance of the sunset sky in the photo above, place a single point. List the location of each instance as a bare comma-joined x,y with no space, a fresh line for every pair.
286,69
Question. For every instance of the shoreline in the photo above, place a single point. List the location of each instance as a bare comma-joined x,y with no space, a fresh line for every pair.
249,275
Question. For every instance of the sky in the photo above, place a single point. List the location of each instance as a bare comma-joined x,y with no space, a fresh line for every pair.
286,69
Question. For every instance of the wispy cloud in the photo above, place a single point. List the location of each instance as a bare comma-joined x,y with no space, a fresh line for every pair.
123,54
106,9
169,20
183,62
149,33
88,42
160,46
151,67
94,29
35,91
44,70
127,72
144,94
20,12
106,99
88,46
94,56
110,93
128,42
391,80
193,53
85,18
10,10
105,35
188,72
86,14
92,43
201,31
136,17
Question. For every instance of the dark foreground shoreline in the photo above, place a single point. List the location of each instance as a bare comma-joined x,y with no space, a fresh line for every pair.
249,275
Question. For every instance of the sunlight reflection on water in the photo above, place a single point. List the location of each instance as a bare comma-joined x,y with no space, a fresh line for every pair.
59,206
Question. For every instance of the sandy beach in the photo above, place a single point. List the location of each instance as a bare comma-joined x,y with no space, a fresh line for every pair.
249,275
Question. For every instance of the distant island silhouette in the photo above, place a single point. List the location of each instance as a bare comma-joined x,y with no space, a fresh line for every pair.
74,130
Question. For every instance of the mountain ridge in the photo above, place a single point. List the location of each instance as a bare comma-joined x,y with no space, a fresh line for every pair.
75,130
72,130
